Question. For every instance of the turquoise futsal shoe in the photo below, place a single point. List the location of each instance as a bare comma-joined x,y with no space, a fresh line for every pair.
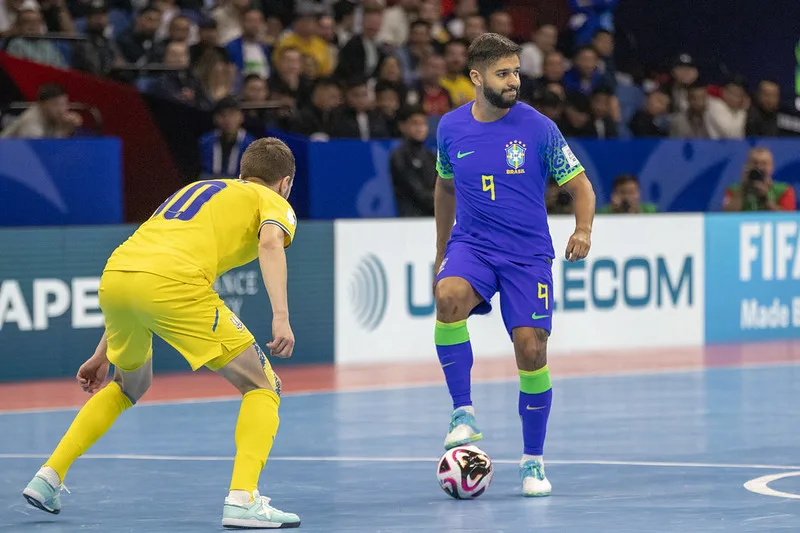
258,514
43,495
463,428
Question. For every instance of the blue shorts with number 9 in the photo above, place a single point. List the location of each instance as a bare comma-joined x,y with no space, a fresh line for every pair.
526,290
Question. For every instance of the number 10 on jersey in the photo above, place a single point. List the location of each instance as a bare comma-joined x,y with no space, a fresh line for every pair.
488,185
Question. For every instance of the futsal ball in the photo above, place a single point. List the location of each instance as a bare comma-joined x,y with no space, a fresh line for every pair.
465,472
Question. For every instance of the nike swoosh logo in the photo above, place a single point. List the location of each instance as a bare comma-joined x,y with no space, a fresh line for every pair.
529,408
538,317
448,364
465,154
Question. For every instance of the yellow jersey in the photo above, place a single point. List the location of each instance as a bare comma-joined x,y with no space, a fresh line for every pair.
204,230
460,88
315,47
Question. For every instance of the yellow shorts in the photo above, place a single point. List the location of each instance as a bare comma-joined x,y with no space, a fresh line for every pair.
193,319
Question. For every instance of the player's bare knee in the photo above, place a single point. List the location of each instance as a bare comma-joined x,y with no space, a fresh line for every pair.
249,384
530,347
247,372
246,380
136,383
455,298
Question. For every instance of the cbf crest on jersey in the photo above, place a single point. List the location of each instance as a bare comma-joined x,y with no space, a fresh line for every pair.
515,157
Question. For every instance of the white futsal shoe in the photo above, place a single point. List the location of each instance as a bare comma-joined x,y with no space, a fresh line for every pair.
534,482
463,428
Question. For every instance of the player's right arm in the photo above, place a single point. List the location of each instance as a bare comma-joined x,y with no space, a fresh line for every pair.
444,199
93,373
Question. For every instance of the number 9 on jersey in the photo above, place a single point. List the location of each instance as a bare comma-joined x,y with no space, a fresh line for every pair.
488,185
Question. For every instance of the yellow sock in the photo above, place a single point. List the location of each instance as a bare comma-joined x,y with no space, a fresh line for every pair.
91,423
255,432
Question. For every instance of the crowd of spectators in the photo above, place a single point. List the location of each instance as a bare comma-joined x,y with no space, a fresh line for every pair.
368,69
345,68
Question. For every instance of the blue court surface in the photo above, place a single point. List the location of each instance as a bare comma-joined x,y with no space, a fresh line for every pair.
647,453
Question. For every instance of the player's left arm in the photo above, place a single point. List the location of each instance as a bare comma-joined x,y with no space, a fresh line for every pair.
580,188
274,272
564,167
276,233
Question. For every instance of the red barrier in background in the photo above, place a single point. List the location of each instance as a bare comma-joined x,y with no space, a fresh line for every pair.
149,172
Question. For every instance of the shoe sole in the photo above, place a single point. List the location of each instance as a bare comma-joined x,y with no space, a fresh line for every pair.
237,523
535,494
30,497
475,438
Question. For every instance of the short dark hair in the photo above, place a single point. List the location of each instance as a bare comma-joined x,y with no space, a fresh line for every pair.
603,89
660,90
268,159
737,79
488,48
225,104
342,10
584,48
354,81
148,9
456,42
622,179
383,85
327,81
579,102
548,99
420,22
250,77
48,91
207,23
373,10
406,112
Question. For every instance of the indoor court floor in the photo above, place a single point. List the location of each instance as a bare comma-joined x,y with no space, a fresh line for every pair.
696,440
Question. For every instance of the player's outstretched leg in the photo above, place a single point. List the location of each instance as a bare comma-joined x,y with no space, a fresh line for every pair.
455,299
91,423
535,397
256,428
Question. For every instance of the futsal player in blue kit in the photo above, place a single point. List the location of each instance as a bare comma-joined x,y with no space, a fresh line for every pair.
495,156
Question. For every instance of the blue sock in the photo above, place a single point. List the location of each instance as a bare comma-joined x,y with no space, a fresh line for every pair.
455,356
535,397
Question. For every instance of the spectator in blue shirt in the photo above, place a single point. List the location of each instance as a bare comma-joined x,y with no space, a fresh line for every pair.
584,76
588,16
221,149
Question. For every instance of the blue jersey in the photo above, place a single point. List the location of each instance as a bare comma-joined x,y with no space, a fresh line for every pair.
500,171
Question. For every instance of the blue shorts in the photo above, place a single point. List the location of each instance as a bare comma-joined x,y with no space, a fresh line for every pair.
526,289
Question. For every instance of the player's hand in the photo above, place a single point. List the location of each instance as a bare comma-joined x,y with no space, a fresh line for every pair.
92,374
578,245
282,338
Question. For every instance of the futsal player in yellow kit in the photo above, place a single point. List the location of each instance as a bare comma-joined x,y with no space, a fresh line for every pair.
160,281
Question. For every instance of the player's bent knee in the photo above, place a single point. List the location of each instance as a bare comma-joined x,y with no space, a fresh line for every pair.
248,371
530,347
455,298
134,384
